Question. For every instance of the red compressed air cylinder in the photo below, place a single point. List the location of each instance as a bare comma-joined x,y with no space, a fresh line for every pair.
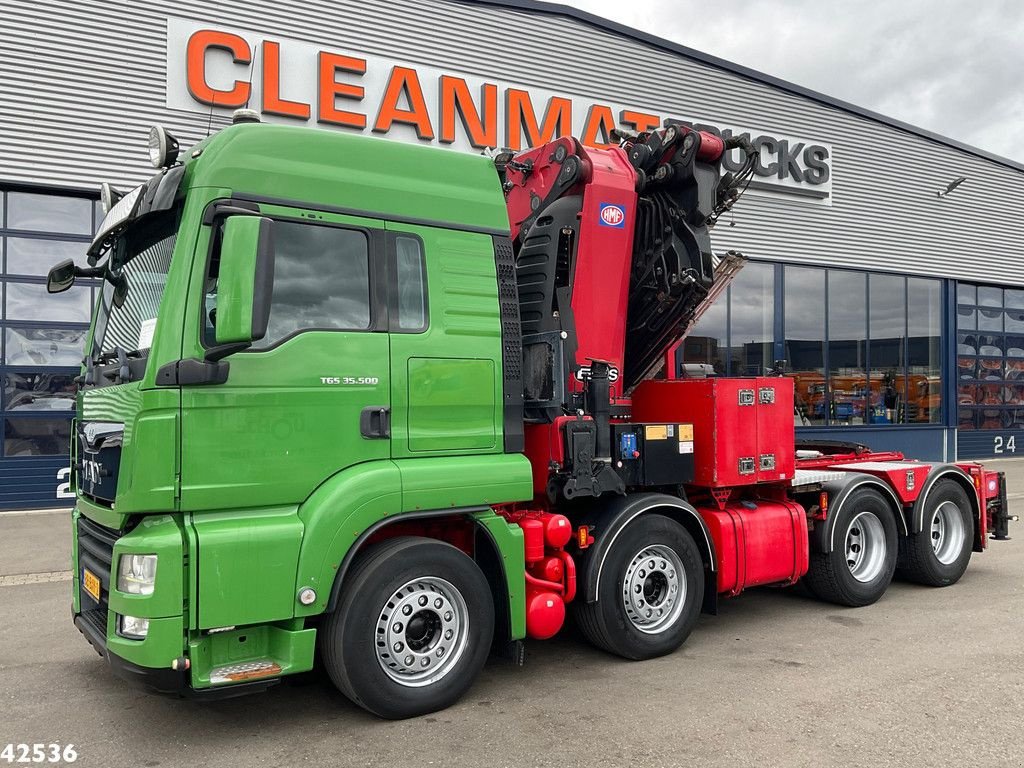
545,614
533,539
557,530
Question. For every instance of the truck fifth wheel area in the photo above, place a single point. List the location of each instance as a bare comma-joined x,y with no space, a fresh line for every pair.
403,408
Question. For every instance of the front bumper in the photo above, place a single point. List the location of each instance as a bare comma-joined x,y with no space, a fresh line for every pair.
164,681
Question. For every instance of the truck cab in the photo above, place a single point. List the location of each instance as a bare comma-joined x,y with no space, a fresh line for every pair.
299,335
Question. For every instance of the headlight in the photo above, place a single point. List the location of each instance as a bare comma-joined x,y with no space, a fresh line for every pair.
133,627
136,574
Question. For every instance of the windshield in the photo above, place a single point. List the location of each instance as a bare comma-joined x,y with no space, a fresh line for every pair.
142,256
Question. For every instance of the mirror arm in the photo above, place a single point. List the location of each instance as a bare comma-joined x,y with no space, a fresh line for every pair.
213,354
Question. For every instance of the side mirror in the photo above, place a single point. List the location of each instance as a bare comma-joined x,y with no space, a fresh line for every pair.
61,277
246,280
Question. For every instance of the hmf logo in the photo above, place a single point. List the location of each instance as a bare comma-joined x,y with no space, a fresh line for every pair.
290,80
612,215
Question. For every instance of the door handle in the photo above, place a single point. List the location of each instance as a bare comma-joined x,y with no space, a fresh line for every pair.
375,422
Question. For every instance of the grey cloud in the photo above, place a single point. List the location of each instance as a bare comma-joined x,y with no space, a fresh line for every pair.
950,67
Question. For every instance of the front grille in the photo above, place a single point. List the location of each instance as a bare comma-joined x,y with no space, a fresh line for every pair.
95,552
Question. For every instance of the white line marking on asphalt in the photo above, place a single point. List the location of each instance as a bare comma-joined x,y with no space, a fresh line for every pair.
46,577
22,512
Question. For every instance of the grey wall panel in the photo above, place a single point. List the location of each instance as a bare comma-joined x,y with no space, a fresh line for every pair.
81,82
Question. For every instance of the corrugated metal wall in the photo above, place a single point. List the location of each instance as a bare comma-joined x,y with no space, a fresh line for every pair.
81,82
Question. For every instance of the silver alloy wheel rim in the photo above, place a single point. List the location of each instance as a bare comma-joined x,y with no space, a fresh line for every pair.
865,546
947,532
422,631
654,589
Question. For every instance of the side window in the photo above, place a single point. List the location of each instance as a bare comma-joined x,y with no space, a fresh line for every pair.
411,281
321,281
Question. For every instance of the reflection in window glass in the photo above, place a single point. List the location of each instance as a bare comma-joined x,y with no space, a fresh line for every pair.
321,280
412,290
27,256
805,340
990,319
49,213
887,331
1014,299
989,296
44,346
751,303
924,351
26,436
703,352
39,391
966,294
847,347
966,318
30,301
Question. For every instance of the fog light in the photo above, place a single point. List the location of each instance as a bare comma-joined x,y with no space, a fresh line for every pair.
136,574
133,627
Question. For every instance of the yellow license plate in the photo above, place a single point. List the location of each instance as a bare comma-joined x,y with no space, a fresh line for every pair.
91,582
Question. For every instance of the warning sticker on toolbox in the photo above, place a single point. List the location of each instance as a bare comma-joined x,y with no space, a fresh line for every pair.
656,432
685,432
686,446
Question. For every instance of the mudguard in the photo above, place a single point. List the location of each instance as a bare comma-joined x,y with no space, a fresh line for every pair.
607,518
823,535
939,472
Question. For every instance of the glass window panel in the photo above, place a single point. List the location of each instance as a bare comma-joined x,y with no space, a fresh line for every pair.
30,301
1013,320
44,346
39,391
805,340
924,351
990,297
966,318
887,330
847,346
966,294
321,280
49,213
37,437
751,302
412,289
990,319
990,345
1014,299
703,352
27,256
1015,346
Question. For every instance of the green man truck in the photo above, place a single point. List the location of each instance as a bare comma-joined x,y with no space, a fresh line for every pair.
397,408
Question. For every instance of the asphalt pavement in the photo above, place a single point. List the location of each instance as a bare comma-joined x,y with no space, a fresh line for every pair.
925,677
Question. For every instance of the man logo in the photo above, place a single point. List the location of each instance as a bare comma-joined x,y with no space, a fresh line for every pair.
612,215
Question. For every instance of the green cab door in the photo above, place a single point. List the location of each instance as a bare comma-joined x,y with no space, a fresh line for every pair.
314,395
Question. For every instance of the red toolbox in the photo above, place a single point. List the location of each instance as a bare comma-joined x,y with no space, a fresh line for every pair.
742,428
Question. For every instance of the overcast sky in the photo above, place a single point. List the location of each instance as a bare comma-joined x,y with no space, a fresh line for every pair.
955,67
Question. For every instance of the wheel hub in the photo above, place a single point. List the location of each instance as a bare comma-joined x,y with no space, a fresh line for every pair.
654,589
947,532
421,631
865,546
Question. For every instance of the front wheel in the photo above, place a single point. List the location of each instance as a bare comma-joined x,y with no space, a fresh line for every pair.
650,594
861,564
412,629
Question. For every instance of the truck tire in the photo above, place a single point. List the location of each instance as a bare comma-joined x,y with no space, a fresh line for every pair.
412,629
650,593
939,554
861,564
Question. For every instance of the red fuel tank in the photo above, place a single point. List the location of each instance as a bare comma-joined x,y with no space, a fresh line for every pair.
758,542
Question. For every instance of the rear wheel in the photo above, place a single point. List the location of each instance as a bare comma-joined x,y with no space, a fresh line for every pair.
939,554
650,594
861,564
412,629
